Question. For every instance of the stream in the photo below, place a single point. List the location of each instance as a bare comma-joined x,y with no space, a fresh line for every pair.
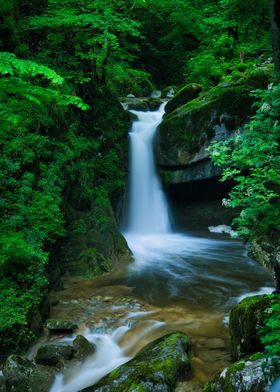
177,282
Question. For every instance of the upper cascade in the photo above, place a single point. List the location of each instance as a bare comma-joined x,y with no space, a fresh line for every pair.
148,209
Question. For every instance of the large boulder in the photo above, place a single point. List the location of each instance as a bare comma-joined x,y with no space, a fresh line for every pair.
155,369
253,375
52,354
186,132
183,96
23,376
82,348
246,319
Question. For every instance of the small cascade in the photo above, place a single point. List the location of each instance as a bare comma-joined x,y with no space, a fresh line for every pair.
148,210
111,352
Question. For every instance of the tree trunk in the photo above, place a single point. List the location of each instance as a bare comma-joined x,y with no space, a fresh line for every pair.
276,34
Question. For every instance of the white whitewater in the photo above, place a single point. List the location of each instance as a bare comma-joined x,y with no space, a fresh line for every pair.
149,233
160,256
147,210
111,352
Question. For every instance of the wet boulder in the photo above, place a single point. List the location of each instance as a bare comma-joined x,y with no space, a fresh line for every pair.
82,348
252,375
52,354
24,376
156,368
246,320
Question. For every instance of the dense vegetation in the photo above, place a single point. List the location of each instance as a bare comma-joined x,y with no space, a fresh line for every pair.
54,52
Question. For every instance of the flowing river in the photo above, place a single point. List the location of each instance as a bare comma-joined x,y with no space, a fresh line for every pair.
176,282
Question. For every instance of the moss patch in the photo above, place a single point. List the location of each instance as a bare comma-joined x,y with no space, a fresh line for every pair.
246,319
156,368
191,126
186,94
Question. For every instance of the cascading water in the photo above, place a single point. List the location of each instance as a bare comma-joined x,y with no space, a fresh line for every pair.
148,211
168,267
167,261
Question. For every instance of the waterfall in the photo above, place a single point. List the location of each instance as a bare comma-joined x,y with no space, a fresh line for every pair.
148,210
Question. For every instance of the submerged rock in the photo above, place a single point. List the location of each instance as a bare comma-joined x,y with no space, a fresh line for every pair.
24,376
61,325
51,354
253,375
156,368
246,319
82,348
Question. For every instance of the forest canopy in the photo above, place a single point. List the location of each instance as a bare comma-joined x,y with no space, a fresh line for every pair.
63,66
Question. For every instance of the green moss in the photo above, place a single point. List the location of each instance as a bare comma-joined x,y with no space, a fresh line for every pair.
160,363
186,94
256,356
191,126
253,375
246,319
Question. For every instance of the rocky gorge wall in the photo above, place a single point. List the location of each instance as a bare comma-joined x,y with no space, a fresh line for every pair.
195,118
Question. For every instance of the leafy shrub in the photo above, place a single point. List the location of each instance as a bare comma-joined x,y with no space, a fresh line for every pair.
270,333
252,159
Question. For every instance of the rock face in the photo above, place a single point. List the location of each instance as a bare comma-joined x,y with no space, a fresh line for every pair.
187,131
90,250
23,376
155,369
253,375
246,319
267,252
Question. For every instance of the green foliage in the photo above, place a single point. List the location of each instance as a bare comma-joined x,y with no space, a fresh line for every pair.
31,185
270,333
95,39
228,28
252,160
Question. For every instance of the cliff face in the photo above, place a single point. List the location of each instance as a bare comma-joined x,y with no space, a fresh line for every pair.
188,130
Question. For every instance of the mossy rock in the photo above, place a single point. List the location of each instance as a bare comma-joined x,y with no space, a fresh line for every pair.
183,96
52,354
23,376
56,325
251,375
246,320
169,91
156,368
82,348
94,245
185,133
